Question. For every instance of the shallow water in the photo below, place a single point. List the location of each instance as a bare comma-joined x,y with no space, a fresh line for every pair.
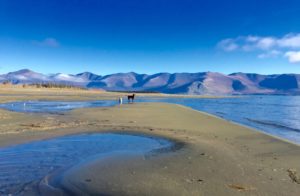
54,106
275,115
24,164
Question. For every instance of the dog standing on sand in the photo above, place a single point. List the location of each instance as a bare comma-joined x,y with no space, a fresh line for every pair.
131,97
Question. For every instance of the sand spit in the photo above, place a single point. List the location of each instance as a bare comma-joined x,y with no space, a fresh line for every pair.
219,157
17,93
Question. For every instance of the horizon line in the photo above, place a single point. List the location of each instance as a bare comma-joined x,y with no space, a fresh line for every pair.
27,69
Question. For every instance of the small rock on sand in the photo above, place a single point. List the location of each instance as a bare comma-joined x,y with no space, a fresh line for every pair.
240,187
294,176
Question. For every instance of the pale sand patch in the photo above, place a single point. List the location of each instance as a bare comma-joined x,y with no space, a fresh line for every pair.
219,158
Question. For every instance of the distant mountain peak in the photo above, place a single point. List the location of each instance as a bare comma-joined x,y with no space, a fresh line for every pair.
88,75
212,83
22,71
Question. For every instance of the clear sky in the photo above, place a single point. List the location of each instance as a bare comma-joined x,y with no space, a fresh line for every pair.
150,36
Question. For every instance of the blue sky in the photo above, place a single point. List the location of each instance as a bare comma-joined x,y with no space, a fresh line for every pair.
109,36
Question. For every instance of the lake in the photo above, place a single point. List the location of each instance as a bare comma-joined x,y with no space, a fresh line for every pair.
23,165
275,115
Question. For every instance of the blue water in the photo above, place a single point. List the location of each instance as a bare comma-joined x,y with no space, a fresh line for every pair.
23,164
54,106
275,115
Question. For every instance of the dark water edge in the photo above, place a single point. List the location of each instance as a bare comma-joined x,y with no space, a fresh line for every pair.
273,124
53,107
55,181
24,166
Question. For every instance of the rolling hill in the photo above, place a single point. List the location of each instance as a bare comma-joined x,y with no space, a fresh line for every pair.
202,83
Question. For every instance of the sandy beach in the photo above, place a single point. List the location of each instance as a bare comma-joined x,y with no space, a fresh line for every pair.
149,98
218,157
9,93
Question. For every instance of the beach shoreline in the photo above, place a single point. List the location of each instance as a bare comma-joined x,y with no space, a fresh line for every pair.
13,93
218,158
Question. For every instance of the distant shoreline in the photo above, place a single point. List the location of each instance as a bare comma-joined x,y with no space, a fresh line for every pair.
13,93
199,83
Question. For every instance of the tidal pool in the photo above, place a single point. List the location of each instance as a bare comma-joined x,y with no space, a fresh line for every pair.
25,164
53,106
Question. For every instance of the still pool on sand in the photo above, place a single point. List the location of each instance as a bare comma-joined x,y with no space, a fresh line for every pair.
24,165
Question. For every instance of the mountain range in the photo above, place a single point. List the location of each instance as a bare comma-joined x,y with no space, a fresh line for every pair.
202,83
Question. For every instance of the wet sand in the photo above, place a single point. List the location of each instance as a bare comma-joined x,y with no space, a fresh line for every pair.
218,157
18,93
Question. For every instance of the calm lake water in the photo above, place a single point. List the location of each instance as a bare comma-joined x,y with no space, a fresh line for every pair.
21,165
275,115
54,106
